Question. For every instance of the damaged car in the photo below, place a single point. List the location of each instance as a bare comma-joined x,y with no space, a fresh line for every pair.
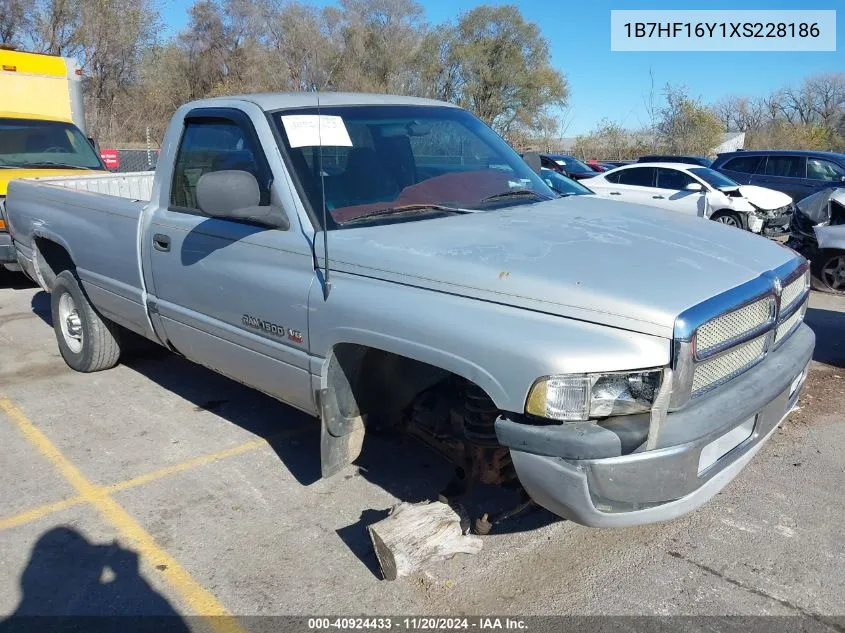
817,231
701,191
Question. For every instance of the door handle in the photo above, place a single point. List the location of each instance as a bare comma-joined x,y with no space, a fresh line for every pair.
615,193
161,242
658,197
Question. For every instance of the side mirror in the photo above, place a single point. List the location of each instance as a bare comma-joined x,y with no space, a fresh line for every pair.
842,178
235,195
534,161
694,186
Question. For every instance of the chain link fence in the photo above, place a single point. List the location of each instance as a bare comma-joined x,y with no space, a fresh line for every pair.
128,160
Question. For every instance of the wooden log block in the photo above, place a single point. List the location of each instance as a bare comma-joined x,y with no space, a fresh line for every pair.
414,534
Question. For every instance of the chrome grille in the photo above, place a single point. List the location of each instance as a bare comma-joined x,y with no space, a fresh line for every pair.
729,327
793,291
722,368
725,335
789,324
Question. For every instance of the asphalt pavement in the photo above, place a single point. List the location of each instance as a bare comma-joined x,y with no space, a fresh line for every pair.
159,487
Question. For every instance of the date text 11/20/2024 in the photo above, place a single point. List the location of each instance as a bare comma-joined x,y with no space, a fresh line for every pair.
418,623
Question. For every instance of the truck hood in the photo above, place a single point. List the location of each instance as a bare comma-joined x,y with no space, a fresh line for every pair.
13,174
760,197
584,257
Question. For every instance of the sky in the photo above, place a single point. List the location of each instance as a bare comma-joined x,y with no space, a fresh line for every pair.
615,85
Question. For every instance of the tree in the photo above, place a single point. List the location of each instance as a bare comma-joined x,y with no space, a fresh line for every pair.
14,20
381,39
827,96
685,125
112,34
298,46
550,126
53,27
440,69
503,68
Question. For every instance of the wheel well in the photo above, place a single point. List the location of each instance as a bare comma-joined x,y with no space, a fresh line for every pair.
53,258
372,382
369,387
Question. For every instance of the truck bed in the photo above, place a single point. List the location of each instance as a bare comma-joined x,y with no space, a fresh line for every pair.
132,185
95,219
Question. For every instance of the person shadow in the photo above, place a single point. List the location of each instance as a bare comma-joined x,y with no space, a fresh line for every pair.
72,584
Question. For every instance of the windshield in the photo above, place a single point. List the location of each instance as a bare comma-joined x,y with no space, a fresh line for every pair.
572,164
31,143
389,163
713,178
563,185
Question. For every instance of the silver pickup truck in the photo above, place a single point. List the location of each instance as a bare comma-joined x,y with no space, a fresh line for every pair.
622,363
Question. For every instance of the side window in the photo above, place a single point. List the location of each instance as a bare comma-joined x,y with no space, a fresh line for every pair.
614,178
743,164
214,145
673,179
786,166
638,177
821,169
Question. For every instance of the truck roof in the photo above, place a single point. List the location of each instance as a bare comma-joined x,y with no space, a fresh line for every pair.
37,63
270,101
37,117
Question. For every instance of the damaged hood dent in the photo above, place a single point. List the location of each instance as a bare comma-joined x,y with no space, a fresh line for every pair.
760,197
622,265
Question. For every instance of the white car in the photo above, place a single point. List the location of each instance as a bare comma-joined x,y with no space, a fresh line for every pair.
697,191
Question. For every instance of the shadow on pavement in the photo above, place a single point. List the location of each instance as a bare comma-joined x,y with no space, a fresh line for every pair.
829,327
73,584
14,280
40,304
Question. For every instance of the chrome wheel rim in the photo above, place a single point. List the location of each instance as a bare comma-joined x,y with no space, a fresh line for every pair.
727,219
833,273
70,323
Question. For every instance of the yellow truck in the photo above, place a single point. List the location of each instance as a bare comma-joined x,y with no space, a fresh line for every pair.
42,123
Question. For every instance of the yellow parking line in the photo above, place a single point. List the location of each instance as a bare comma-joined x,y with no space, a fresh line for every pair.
187,465
205,459
38,512
195,595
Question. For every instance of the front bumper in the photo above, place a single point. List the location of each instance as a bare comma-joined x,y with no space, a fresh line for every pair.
7,249
7,252
777,225
660,484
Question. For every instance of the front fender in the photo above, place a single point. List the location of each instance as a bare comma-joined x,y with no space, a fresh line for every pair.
502,349
831,237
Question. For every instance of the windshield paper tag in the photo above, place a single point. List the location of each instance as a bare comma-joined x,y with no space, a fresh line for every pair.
305,130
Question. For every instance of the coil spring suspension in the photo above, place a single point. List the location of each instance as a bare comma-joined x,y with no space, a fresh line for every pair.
479,417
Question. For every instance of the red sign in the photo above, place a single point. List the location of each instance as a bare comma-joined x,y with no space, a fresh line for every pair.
111,158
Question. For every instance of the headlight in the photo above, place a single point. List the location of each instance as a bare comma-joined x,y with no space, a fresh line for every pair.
583,396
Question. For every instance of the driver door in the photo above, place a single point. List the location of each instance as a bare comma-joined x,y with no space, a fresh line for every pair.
231,294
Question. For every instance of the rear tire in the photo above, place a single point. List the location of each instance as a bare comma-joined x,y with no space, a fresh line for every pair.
87,341
728,218
828,268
